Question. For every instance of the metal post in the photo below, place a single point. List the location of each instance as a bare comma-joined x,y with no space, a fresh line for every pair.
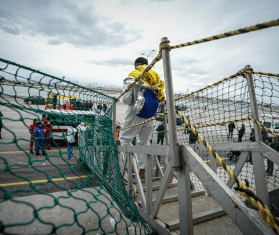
114,121
253,101
174,154
258,158
166,134
185,201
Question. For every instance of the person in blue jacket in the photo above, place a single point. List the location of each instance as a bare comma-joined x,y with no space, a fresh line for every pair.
39,137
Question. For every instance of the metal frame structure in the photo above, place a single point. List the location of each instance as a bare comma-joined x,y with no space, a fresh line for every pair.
185,160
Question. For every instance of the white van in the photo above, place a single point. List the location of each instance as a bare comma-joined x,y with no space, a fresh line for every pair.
270,122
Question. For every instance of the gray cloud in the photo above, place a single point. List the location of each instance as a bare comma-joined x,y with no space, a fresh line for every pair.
71,22
112,62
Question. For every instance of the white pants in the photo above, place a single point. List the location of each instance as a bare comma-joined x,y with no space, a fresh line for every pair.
144,133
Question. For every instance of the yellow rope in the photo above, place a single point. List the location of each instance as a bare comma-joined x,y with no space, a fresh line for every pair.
213,124
253,199
214,84
148,120
267,74
231,33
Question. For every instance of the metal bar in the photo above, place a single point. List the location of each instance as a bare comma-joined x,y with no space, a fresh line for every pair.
129,171
153,179
253,101
148,149
140,188
185,202
157,158
125,164
239,146
166,134
212,164
114,120
248,221
258,164
174,198
162,190
153,223
165,126
159,166
198,218
269,153
157,187
148,184
175,157
238,167
260,177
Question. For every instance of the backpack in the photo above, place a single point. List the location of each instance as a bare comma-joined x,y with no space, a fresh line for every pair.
150,106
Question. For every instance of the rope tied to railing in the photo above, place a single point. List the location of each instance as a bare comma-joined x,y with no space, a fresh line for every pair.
164,45
241,188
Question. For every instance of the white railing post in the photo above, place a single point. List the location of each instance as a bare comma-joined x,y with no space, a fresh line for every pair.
257,157
174,154
183,171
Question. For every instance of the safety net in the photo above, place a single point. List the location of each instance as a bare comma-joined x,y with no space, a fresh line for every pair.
220,113
59,165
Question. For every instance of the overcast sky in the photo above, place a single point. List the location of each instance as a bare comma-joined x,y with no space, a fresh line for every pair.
98,41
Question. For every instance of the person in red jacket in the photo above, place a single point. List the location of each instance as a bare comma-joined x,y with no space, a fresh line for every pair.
47,131
32,132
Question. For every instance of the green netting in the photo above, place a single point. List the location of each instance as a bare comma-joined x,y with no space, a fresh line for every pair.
49,193
229,100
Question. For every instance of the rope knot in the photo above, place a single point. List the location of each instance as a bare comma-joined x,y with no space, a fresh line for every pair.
164,45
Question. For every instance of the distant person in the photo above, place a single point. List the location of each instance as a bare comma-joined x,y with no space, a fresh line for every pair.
78,105
47,132
264,135
253,139
71,131
45,118
231,128
99,108
67,105
1,124
39,137
161,136
32,133
241,132
90,105
105,107
270,165
192,137
117,135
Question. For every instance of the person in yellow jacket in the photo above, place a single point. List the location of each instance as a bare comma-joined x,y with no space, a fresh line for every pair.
134,98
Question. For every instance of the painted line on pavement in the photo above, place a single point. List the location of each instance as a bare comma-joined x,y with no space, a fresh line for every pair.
43,181
51,151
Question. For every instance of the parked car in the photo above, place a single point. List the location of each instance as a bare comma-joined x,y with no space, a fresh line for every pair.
34,99
181,107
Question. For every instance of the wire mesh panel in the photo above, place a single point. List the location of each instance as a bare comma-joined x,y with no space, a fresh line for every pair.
59,166
220,113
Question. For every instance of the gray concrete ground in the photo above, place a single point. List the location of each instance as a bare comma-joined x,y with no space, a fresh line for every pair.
92,208
13,153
